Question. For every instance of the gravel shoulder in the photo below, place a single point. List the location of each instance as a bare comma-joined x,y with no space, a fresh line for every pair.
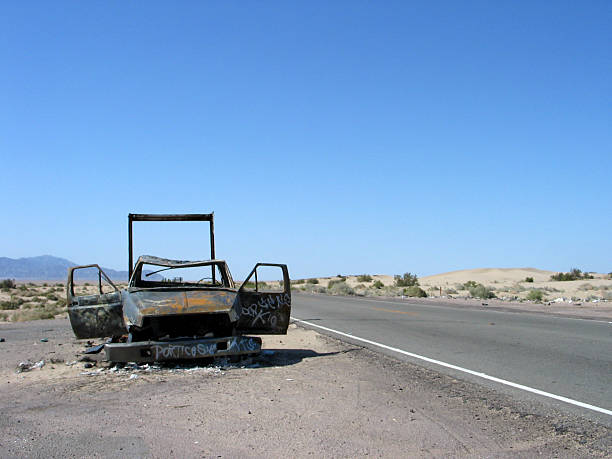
306,395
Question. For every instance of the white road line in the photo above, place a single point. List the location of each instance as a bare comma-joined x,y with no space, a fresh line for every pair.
464,370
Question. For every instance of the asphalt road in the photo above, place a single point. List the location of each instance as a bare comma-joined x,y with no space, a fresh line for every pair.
568,357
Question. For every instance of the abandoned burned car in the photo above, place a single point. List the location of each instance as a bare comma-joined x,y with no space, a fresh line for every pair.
175,309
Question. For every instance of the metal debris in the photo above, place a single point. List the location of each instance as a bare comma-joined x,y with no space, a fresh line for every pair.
94,349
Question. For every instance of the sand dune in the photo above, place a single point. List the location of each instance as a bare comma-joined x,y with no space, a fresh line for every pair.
488,275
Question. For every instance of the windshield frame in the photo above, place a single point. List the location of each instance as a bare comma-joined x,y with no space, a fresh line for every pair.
140,282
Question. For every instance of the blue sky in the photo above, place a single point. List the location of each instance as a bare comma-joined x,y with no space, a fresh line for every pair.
336,137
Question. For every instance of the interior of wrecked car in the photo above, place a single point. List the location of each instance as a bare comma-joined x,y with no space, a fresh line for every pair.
203,274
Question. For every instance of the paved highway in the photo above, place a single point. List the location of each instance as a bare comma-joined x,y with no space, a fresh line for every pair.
566,357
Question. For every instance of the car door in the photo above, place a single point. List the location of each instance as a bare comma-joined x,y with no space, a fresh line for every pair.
265,307
97,315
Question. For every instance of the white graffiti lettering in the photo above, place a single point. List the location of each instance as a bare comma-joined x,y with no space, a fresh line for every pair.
177,351
264,310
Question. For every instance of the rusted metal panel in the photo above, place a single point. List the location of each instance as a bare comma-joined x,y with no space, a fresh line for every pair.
159,351
95,316
98,320
264,313
150,303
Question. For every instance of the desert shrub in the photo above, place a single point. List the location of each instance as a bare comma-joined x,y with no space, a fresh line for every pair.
535,295
59,284
4,316
574,274
529,279
61,303
260,285
23,287
407,280
251,285
33,314
450,291
364,278
8,283
470,284
313,281
415,291
333,282
340,288
517,288
609,275
51,296
586,286
360,287
480,291
378,284
299,281
312,288
8,305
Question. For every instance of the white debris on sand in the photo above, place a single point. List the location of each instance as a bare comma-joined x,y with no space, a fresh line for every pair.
27,365
133,369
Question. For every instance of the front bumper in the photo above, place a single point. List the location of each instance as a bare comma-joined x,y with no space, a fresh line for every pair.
159,351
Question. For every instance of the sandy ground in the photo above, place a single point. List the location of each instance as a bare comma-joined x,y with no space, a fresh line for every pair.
511,281
307,395
508,284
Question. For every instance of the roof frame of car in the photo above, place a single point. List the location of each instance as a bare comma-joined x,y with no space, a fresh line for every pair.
157,261
168,218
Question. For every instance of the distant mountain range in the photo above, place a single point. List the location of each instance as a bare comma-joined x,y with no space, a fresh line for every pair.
47,267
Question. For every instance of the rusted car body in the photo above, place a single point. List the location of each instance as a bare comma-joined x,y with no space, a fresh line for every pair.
168,318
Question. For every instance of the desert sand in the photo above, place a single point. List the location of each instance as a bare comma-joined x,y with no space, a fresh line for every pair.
507,284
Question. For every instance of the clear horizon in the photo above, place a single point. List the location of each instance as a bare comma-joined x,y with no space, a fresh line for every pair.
336,138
